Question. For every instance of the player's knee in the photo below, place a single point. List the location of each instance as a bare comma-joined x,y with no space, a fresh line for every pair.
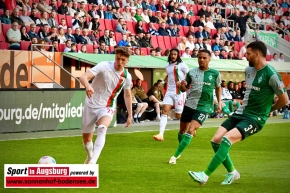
177,116
102,129
217,139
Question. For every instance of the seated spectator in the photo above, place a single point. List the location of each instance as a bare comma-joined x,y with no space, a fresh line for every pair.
44,18
69,35
226,46
53,5
166,52
145,4
63,24
145,16
158,51
133,41
137,52
157,91
83,49
275,58
54,48
123,41
243,49
26,19
105,38
112,38
119,28
94,11
32,33
190,32
33,41
161,6
109,13
139,108
190,42
43,33
199,33
94,24
68,45
138,16
152,52
77,35
52,20
152,30
206,32
182,44
94,38
152,18
61,36
199,22
186,54
200,44
36,19
171,31
24,35
62,9
146,41
238,37
160,18
15,17
194,53
42,46
14,37
70,9
103,49
53,34
42,6
34,6
216,46
215,55
5,18
222,54
84,39
139,28
76,21
139,38
151,100
231,56
25,4
83,23
206,41
281,58
76,8
126,15
133,19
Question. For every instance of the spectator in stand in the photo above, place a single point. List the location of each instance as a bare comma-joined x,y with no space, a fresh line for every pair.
226,46
158,51
200,44
138,4
84,38
145,16
176,18
238,37
116,13
145,4
101,11
126,3
152,18
228,34
68,45
231,56
159,17
75,7
146,41
161,6
137,52
5,18
54,48
194,53
202,11
216,46
190,43
105,38
63,10
63,24
287,13
43,18
33,16
152,30
42,6
83,12
138,15
190,32
103,49
184,21
170,6
26,19
153,52
43,33
199,22
275,58
15,17
24,35
52,20
42,46
199,33
153,5
94,37
32,33
53,5
186,53
139,28
76,21
77,35
281,58
172,31
83,22
53,34
241,23
61,36
222,54
94,24
83,49
123,41
119,28
34,6
94,11
69,35
70,9
109,13
285,4
206,41
33,41
233,16
73,48
182,43
126,14
162,30
281,29
215,55
112,38
133,41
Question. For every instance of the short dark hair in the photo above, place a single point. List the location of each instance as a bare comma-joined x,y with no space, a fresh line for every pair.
124,51
205,51
258,46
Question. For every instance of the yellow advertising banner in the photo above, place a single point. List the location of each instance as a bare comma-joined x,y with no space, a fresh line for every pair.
16,68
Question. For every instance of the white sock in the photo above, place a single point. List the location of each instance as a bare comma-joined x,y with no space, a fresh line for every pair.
135,116
158,115
99,143
89,149
233,172
162,124
139,115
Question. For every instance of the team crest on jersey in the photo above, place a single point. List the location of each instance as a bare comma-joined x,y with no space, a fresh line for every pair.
210,77
248,75
260,79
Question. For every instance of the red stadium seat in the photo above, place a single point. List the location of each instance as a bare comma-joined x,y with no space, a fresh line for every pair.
5,28
185,29
68,20
59,17
131,26
173,41
145,27
161,42
154,41
118,36
237,46
90,48
108,24
4,46
167,42
143,51
181,31
24,45
114,24
61,47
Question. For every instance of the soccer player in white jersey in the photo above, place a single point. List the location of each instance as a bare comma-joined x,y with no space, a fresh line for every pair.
262,83
176,71
100,103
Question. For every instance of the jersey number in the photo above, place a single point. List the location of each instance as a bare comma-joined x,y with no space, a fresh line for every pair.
201,117
110,111
250,128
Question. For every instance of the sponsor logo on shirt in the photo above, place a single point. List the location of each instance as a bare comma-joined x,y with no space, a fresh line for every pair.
253,87
204,83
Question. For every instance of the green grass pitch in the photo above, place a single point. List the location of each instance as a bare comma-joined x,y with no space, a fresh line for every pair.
134,162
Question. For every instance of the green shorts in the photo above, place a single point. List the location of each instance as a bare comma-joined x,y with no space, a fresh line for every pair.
189,114
246,125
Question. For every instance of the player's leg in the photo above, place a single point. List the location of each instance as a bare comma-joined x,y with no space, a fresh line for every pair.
88,127
142,110
225,109
167,104
137,111
105,118
237,104
179,104
157,110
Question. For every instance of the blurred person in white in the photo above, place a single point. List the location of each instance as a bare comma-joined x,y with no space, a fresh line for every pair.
199,44
43,18
42,6
126,14
243,49
182,44
215,55
207,44
186,53
112,38
281,58
61,36
85,35
63,24
240,6
14,37
26,19
275,58
70,9
83,49
190,42
145,16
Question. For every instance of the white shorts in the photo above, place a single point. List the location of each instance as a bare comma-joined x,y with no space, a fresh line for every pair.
176,100
92,115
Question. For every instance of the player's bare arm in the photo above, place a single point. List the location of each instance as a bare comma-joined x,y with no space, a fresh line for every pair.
183,86
218,93
282,101
128,102
84,79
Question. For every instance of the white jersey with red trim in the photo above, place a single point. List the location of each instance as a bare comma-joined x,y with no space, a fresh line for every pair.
176,72
107,85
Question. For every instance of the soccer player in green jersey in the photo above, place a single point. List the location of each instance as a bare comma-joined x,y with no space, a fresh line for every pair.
262,82
202,81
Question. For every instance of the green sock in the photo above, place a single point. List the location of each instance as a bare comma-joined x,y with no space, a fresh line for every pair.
219,157
180,137
228,162
238,104
231,106
183,144
226,110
